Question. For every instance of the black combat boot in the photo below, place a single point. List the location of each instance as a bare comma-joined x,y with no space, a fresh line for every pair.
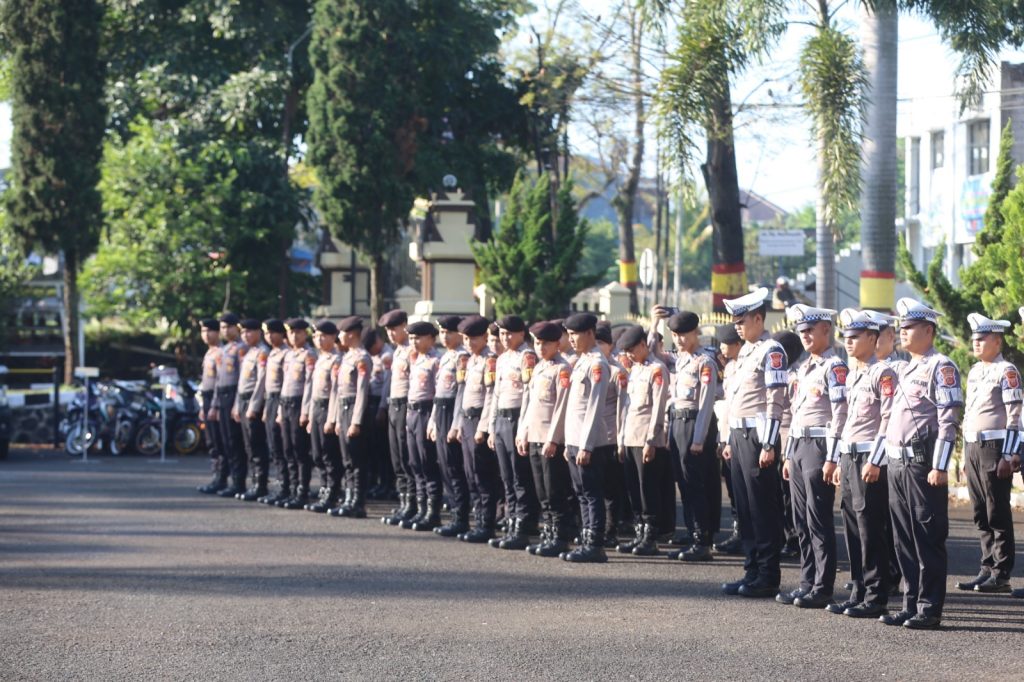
328,498
557,544
432,518
590,552
398,513
700,550
627,547
298,501
421,512
648,545
357,506
546,536
456,526
733,544
518,539
216,484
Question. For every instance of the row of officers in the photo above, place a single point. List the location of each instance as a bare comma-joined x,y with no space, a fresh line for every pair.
571,432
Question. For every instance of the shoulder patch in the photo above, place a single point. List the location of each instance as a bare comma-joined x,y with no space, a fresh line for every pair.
563,377
705,374
947,376
657,377
1012,377
529,359
492,367
887,386
263,358
775,359
623,379
839,371
595,372
361,367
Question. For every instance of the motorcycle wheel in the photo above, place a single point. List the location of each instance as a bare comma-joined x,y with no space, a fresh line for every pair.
147,440
187,438
77,440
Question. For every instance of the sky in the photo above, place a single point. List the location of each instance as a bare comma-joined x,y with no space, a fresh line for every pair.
775,154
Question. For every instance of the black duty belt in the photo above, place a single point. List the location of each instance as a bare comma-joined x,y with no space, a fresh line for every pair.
226,392
509,413
445,402
274,396
348,402
245,396
322,402
683,414
291,401
421,406
472,412
398,402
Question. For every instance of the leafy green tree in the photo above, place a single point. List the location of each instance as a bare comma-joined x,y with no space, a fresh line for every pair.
527,270
59,116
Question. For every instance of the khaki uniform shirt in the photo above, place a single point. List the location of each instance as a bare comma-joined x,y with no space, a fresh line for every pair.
869,393
579,416
993,402
398,387
446,383
926,404
475,377
351,387
550,378
614,400
422,375
209,381
229,364
514,370
760,386
298,376
820,398
251,378
694,386
644,406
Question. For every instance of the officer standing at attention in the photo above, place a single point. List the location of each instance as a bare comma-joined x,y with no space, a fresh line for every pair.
293,414
349,416
210,332
396,397
550,472
248,409
515,367
579,423
228,367
919,441
643,437
812,455
755,414
273,378
323,442
991,436
382,476
439,429
476,383
615,497
422,453
862,475
694,433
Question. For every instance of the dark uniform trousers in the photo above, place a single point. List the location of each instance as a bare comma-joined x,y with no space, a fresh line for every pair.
813,500
616,499
398,443
449,455
865,510
231,435
375,440
275,448
324,447
588,481
422,453
211,434
295,443
990,498
254,436
353,452
701,474
758,506
920,524
516,473
552,481
481,471
645,483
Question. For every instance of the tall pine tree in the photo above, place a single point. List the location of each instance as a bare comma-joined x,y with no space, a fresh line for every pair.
59,117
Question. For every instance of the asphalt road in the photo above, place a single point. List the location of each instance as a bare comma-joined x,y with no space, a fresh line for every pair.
119,570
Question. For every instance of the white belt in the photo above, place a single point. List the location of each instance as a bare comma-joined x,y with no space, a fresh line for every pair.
851,448
899,451
808,432
977,436
743,423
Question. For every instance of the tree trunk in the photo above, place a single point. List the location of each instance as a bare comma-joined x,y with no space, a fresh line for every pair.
70,312
728,273
291,102
879,36
626,199
376,287
825,270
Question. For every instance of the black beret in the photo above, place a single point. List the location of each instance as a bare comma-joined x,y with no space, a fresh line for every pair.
210,324
422,329
369,338
684,321
603,332
273,325
560,321
393,318
474,325
790,343
326,327
229,318
633,336
580,322
296,323
449,323
512,323
726,333
492,329
250,324
546,331
352,323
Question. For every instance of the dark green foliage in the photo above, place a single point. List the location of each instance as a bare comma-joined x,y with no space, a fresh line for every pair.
530,266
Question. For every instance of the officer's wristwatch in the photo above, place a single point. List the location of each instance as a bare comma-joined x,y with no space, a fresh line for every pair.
768,448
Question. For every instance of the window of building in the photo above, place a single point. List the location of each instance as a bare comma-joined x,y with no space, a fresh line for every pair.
938,149
977,147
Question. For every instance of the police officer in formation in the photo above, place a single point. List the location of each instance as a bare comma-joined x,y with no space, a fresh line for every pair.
582,438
